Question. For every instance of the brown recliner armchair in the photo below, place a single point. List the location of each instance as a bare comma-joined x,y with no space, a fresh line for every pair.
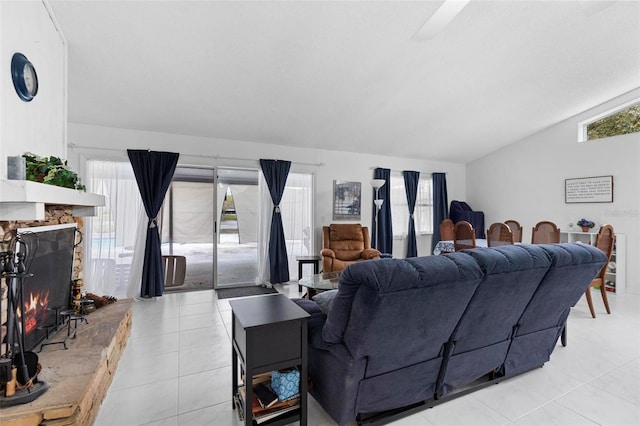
344,244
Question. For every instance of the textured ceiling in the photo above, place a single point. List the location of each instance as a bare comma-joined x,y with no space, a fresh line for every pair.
346,75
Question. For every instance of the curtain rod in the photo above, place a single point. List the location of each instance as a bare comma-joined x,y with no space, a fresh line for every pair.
400,171
216,157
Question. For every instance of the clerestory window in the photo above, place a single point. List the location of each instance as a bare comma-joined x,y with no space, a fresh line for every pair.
621,120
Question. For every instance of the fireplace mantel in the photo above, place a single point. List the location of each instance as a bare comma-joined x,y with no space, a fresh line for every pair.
26,200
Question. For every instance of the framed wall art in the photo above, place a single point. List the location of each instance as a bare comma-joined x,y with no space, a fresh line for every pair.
346,200
596,189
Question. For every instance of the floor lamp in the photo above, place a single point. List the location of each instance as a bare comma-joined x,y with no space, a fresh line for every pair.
377,184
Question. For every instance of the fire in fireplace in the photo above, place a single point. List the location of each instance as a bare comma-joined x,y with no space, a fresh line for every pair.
35,310
49,257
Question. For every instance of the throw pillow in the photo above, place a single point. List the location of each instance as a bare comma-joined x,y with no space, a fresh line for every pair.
325,300
285,385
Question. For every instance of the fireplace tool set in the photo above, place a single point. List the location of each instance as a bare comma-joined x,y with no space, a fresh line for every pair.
19,369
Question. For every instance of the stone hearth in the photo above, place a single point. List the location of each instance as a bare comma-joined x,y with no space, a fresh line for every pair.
79,376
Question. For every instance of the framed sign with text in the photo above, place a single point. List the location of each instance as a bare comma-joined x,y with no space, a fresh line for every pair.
596,189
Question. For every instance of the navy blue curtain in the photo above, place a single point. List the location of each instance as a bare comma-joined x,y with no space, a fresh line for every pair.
440,205
153,171
275,173
411,180
384,230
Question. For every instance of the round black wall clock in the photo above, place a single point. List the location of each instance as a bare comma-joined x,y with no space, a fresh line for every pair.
25,79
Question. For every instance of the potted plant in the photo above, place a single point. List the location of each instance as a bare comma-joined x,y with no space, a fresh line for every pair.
52,171
585,224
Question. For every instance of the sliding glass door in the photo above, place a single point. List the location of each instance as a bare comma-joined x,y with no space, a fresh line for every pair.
216,220
237,205
188,227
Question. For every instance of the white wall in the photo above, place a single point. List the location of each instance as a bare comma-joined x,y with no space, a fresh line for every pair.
111,143
525,181
38,126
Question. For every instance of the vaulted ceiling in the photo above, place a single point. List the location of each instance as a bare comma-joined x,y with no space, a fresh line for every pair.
347,75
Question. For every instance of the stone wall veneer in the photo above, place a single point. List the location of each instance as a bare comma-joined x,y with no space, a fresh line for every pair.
54,215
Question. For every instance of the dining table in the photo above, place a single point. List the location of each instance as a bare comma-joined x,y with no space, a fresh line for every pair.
446,246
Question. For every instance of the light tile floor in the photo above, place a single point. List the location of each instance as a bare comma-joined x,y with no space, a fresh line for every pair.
176,370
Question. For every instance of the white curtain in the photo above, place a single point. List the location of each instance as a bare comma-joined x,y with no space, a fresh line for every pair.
264,229
192,212
114,238
296,208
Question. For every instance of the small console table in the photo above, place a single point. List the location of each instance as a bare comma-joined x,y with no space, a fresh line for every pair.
268,333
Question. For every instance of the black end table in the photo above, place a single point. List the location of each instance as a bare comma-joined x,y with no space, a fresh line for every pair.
268,333
314,260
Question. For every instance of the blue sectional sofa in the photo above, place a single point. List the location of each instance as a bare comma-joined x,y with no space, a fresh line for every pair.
405,332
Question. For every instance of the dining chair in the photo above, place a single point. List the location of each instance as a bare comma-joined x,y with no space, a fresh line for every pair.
604,241
516,229
545,232
465,236
499,234
447,232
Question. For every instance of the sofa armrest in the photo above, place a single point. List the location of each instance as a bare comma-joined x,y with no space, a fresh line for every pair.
309,306
370,254
328,252
315,323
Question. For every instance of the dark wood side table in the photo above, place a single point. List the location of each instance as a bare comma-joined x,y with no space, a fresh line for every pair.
314,260
268,333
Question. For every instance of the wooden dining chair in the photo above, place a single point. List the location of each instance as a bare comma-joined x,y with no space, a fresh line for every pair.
499,234
545,232
447,232
604,241
516,229
465,236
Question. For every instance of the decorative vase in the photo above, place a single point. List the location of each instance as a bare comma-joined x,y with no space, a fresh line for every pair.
585,229
16,168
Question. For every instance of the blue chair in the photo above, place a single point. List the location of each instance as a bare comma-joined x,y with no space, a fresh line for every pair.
459,210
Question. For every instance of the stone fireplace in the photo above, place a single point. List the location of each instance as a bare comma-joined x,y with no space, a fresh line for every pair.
80,374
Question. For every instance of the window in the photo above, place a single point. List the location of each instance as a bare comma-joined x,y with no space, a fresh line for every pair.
622,120
423,212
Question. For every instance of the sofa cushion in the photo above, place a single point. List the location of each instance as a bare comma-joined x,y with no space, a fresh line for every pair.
309,306
346,240
573,266
325,300
348,255
372,279
512,274
315,323
345,232
334,326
